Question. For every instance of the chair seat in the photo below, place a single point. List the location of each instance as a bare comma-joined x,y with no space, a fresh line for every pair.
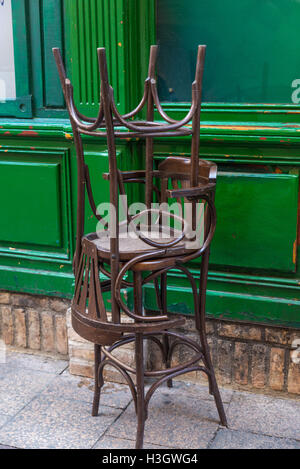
131,245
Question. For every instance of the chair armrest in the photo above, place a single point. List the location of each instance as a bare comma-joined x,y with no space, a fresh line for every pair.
191,192
127,175
138,174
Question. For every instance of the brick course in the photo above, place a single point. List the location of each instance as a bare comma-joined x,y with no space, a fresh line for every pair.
7,325
276,375
20,327
32,322
34,330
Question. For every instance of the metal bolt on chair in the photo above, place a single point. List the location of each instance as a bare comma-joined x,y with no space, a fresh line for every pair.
157,241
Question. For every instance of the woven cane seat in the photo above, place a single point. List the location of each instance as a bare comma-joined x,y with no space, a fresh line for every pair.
131,245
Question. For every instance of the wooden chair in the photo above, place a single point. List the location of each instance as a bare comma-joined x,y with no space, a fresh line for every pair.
151,250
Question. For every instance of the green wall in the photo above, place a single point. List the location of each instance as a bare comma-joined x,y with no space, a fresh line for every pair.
254,272
252,49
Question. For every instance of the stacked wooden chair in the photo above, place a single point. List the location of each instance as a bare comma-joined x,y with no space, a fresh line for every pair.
155,243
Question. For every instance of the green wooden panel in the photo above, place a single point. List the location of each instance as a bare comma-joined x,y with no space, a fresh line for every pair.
30,202
271,307
36,211
252,49
92,24
46,30
257,220
98,164
52,34
37,281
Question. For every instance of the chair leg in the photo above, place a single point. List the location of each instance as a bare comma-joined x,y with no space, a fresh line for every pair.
213,385
138,293
166,342
200,322
98,380
140,388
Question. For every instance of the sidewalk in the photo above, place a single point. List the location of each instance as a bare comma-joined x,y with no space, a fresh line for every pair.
43,406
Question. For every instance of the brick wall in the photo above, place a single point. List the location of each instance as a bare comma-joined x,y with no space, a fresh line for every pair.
35,323
249,357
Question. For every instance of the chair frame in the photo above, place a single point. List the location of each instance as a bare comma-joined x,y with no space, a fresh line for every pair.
198,179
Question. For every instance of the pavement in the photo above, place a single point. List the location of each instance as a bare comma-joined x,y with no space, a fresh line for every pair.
43,406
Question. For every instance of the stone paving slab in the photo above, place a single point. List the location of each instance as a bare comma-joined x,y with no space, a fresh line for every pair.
176,421
34,362
198,391
19,386
234,439
109,442
3,419
82,389
265,415
56,423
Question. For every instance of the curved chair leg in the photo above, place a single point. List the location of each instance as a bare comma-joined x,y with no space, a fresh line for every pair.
140,388
98,380
166,342
213,385
139,364
200,323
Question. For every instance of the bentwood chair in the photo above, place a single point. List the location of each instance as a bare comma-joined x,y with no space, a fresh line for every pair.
156,243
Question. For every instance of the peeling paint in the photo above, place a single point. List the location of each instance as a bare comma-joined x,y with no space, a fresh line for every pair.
295,251
239,127
28,133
